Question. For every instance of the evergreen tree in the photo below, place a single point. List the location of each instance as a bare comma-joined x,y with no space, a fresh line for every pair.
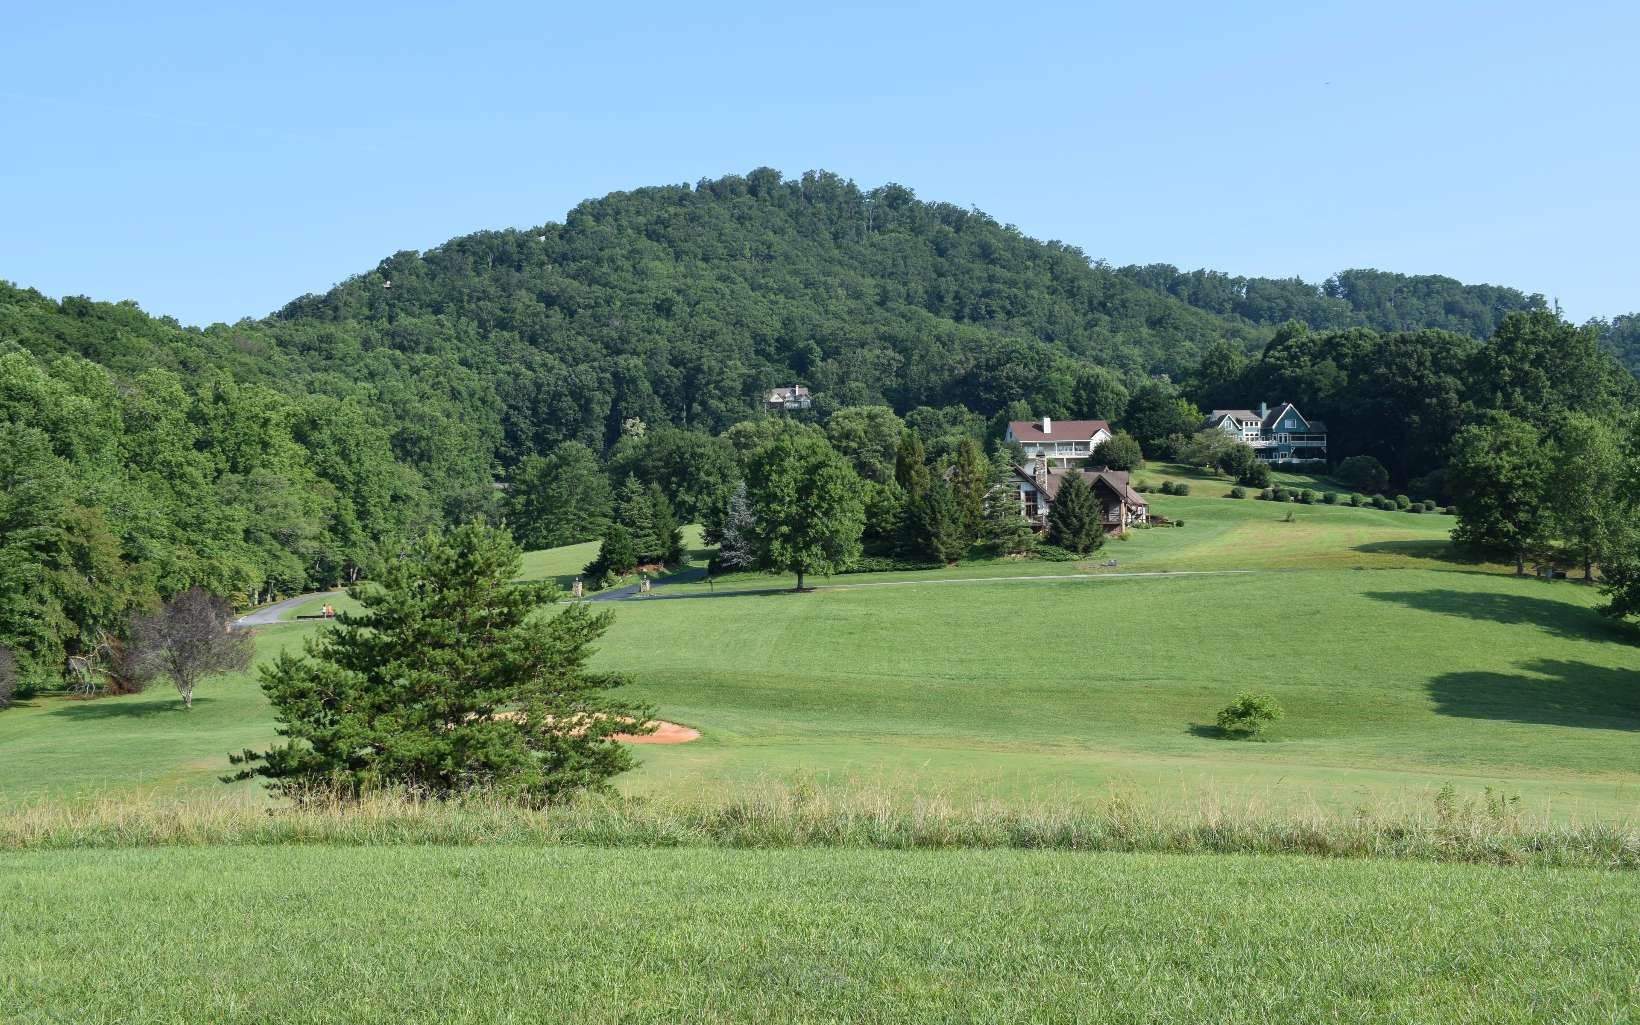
911,465
668,536
807,505
1073,518
970,480
449,680
933,525
1004,529
636,513
617,556
737,547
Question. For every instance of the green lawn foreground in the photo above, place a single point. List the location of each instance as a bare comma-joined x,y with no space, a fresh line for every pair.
513,934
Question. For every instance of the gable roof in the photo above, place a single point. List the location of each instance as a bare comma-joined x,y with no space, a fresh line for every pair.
1276,415
1115,480
1063,430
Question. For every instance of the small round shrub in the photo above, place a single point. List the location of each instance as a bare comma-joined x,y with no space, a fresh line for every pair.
1237,492
1430,505
1417,507
1248,715
1178,523
1310,497
1255,476
1267,495
1181,488
1380,502
1331,498
1452,510
1357,500
1402,502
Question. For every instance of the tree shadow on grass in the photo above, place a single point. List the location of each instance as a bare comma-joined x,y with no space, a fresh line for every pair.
1433,549
1560,618
115,708
1551,692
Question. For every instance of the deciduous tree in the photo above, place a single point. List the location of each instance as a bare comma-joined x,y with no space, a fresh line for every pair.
186,640
807,504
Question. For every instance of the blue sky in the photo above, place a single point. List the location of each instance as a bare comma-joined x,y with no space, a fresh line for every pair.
215,161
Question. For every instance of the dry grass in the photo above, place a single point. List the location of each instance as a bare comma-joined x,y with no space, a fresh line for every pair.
1480,829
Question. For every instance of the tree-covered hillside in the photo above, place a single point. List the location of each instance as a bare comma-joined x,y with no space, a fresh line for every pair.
140,457
1353,298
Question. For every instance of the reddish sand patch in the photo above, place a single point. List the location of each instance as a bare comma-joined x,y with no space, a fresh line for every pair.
665,733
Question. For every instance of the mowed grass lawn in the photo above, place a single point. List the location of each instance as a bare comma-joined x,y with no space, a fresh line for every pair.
1399,672
512,934
1394,683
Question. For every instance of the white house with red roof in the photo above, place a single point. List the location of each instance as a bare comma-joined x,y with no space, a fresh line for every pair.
1060,443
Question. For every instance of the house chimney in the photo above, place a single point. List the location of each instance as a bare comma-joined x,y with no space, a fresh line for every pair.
1263,410
1041,471
1047,425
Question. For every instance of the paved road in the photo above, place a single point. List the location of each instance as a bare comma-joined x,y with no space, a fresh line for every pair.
268,615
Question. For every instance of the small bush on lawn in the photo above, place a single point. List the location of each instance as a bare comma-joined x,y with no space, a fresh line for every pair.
1417,507
1178,523
1310,497
887,564
1283,495
1430,505
1237,492
1402,502
1331,498
1452,510
1053,553
1181,488
1248,715
1380,502
1267,495
1358,500
1255,476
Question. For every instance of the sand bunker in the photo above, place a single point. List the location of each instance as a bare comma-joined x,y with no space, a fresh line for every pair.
665,732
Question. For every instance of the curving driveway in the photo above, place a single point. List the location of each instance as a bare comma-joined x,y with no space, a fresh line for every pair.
268,615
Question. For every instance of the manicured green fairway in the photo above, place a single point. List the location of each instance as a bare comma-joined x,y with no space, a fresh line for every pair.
453,935
1394,682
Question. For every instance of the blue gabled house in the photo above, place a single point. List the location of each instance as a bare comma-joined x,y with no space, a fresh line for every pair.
1278,435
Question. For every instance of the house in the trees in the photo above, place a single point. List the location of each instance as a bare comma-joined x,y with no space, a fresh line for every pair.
1119,505
1278,435
1058,443
794,397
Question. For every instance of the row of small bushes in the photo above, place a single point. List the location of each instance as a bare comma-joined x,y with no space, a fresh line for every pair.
1308,497
1167,487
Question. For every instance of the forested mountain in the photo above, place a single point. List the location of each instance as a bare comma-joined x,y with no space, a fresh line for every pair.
139,456
1353,298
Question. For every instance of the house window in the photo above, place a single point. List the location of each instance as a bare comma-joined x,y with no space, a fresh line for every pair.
1290,424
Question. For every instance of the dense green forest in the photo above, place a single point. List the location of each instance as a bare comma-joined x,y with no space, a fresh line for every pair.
139,456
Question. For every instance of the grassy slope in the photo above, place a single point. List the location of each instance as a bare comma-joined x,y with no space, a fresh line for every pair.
1218,533
510,934
1395,682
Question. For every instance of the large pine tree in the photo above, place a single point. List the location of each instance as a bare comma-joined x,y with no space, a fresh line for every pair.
450,680
1073,518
